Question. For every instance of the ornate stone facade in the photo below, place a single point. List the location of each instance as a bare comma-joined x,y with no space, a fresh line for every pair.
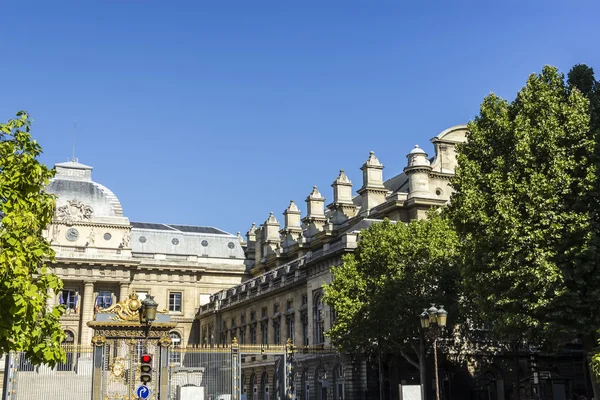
289,266
102,257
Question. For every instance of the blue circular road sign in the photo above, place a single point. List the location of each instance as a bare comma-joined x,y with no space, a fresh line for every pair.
143,392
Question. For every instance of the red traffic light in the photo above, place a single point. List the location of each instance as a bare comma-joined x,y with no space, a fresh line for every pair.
146,358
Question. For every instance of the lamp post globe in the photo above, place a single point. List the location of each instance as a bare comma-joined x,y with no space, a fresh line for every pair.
150,305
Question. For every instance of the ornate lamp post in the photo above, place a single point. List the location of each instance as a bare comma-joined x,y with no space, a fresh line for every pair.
149,306
433,320
289,352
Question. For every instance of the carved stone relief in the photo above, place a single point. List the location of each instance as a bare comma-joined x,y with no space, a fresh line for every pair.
74,210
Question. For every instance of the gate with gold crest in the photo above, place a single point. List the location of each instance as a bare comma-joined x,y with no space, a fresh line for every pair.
131,351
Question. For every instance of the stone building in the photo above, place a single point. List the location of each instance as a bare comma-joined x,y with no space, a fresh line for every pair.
101,257
290,263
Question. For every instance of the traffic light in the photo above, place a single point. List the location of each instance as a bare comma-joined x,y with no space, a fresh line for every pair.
146,368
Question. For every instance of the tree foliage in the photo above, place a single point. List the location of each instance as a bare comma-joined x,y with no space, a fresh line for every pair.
397,270
26,324
524,212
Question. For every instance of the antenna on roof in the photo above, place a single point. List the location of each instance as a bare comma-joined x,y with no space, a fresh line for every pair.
74,137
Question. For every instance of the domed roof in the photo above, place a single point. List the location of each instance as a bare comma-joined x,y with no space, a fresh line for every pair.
417,150
78,196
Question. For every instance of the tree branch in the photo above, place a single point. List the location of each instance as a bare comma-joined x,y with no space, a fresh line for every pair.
410,359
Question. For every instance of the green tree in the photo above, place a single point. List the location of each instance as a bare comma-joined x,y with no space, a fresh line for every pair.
379,291
26,324
581,77
523,209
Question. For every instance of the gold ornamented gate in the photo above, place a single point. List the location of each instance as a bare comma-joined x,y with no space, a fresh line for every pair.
121,335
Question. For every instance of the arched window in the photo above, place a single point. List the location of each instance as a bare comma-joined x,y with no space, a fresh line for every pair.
264,386
254,385
304,387
175,353
319,319
321,384
69,337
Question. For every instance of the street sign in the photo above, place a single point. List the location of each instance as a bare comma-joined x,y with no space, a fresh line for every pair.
143,392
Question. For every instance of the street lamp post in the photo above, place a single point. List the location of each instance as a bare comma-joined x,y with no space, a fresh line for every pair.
432,319
149,306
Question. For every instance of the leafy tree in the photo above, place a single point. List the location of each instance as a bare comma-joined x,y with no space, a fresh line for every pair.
26,324
378,293
524,212
582,78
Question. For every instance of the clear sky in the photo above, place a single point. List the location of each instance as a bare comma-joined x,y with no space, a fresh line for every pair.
218,112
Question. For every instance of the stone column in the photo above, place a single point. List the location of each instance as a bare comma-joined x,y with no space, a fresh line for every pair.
87,313
123,292
50,300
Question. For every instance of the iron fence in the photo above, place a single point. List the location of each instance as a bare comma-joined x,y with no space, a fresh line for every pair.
70,380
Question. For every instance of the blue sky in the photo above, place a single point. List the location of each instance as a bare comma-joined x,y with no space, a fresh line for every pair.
218,112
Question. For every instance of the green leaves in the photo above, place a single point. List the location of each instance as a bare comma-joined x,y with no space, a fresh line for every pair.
380,290
523,210
25,210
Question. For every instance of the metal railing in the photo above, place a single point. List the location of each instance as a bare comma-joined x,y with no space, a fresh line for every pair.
70,380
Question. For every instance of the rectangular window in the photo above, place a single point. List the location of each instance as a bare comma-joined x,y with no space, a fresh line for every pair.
304,299
243,335
265,333
141,295
104,299
275,308
252,315
305,339
70,299
243,319
290,304
290,327
253,334
263,312
175,301
277,331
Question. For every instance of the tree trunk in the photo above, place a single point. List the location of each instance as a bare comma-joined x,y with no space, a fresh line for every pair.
517,393
422,367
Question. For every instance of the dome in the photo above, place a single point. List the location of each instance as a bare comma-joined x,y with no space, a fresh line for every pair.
78,197
417,150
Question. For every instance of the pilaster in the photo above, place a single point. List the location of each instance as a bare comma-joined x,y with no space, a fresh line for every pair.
87,313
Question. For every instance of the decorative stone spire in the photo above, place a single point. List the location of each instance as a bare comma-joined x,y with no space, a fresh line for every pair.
342,207
292,216
342,189
418,170
272,228
251,234
372,172
251,240
315,217
270,239
372,191
315,204
292,230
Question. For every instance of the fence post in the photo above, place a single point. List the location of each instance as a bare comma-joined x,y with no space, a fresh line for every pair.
235,370
10,372
163,374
